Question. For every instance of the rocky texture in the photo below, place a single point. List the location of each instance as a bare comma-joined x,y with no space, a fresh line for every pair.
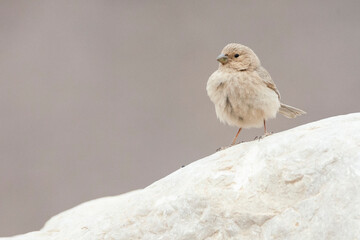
303,183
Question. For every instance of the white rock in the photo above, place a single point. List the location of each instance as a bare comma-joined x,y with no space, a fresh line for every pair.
303,183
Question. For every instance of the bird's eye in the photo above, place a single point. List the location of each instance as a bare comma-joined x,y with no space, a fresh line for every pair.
236,55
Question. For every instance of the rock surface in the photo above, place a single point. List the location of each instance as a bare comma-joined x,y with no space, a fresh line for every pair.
303,183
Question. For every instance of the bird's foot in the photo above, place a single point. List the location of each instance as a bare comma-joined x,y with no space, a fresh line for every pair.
263,136
223,148
267,134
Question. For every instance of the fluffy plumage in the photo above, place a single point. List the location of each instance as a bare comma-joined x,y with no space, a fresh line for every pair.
243,92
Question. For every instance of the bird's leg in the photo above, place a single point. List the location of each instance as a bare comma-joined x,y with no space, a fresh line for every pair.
232,144
266,133
236,137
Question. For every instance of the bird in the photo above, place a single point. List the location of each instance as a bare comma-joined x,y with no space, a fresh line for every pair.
243,92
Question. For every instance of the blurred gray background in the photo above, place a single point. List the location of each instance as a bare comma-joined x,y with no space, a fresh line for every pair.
98,98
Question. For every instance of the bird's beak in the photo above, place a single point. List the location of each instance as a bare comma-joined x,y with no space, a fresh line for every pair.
222,59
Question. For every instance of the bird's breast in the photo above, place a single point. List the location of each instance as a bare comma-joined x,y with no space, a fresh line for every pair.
241,99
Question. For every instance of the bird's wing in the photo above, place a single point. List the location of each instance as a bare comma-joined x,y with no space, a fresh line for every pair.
265,76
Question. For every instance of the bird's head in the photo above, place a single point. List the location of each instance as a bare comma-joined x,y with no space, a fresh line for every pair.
238,57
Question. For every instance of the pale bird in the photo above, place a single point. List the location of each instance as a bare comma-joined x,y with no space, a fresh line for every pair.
243,92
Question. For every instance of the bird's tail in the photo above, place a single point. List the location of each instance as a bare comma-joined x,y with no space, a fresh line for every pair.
290,112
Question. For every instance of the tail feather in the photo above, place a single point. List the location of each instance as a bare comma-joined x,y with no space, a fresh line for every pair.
290,112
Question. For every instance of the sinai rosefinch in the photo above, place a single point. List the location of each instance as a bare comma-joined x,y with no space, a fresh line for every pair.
243,92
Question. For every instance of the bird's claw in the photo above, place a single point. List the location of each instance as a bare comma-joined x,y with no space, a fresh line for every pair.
267,134
223,148
263,136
